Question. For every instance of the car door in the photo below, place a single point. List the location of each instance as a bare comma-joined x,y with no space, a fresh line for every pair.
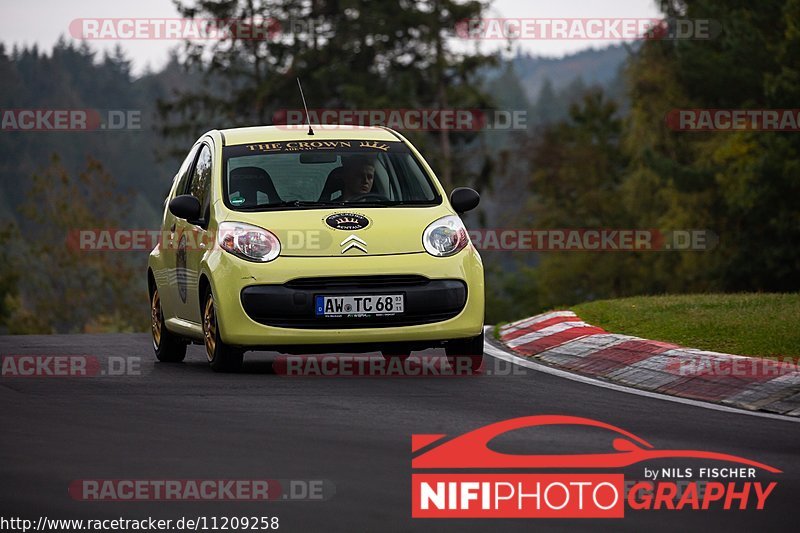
167,281
192,236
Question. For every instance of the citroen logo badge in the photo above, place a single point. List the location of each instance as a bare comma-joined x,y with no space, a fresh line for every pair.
353,242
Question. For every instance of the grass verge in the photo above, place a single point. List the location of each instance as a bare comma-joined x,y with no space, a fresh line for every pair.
757,324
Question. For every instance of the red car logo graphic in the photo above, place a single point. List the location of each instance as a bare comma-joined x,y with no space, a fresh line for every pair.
470,450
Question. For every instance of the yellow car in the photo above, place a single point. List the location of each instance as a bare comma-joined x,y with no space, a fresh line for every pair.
337,239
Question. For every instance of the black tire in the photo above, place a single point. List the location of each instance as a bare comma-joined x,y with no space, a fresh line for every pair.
169,348
222,357
465,354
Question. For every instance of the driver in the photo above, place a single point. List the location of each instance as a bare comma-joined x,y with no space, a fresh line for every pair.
359,176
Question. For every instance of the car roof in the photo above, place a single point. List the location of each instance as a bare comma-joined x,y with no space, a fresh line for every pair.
325,132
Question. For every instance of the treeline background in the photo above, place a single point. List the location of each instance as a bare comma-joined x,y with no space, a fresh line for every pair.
596,153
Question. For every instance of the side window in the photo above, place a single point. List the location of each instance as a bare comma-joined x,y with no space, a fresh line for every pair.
183,172
200,186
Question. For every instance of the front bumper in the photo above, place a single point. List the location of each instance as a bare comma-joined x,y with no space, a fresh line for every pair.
293,304
272,304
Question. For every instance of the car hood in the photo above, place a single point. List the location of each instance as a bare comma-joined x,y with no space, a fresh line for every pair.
306,232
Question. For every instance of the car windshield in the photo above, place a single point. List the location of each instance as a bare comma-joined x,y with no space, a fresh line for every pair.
308,174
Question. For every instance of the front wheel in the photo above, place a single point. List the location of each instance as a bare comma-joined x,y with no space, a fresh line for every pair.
465,355
169,348
222,357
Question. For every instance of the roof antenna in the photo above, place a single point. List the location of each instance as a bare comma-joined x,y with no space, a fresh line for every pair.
308,120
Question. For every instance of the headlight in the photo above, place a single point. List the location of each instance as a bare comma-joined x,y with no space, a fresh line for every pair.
445,236
248,242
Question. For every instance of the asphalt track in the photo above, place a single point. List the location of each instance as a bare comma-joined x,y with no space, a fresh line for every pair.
186,422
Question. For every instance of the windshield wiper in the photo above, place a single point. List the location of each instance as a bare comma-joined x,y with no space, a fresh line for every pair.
297,203
308,203
287,203
387,203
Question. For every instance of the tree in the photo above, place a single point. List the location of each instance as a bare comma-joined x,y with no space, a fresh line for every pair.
742,185
9,273
350,54
577,170
67,289
597,169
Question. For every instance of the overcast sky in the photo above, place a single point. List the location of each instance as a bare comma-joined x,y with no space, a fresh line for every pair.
43,21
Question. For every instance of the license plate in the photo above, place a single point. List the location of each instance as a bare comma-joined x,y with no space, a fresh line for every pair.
363,305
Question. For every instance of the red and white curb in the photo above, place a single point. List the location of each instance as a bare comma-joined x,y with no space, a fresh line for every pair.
561,339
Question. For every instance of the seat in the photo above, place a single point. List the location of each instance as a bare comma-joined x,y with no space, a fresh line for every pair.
334,182
248,182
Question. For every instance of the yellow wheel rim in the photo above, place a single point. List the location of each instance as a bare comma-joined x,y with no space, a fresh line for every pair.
156,318
210,328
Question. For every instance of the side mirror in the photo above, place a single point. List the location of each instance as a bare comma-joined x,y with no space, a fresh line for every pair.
185,206
464,199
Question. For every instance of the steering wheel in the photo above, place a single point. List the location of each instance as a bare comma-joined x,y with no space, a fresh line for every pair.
369,195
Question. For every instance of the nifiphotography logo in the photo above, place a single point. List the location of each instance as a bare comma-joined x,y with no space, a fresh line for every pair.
471,480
